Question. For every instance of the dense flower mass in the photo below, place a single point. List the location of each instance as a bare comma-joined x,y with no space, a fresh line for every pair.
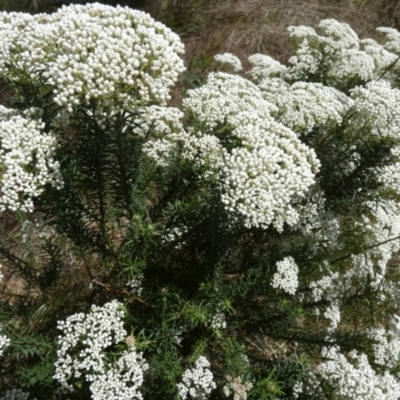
265,166
197,382
377,106
304,106
286,276
83,340
122,381
116,56
26,159
230,60
353,380
265,67
387,343
333,56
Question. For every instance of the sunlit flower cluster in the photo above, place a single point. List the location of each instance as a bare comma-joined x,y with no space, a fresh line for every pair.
391,39
197,382
305,105
266,173
83,340
11,25
26,159
385,62
286,277
353,379
229,59
378,107
123,379
265,67
265,165
156,122
333,56
224,95
387,346
117,56
201,149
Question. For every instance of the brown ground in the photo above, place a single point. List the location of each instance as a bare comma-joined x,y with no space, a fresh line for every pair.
245,27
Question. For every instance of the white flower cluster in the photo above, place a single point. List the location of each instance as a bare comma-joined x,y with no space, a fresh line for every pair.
174,234
332,313
123,380
286,277
304,105
229,59
225,95
389,175
265,67
26,158
385,62
330,287
392,39
238,388
218,321
136,285
325,286
4,342
382,225
197,382
354,380
33,231
167,138
333,56
268,167
387,348
15,394
95,331
156,121
11,25
201,149
316,223
378,106
266,173
81,354
117,56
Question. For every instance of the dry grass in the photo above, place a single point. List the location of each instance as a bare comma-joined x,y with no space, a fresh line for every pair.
245,27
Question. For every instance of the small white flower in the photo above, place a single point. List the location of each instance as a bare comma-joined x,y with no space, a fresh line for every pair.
286,277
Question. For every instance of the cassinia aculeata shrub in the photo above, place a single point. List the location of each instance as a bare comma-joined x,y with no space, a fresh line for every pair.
240,245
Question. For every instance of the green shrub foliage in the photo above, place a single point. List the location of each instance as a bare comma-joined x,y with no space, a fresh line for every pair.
239,245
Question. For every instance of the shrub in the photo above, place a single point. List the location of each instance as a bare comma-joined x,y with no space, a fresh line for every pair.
242,245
